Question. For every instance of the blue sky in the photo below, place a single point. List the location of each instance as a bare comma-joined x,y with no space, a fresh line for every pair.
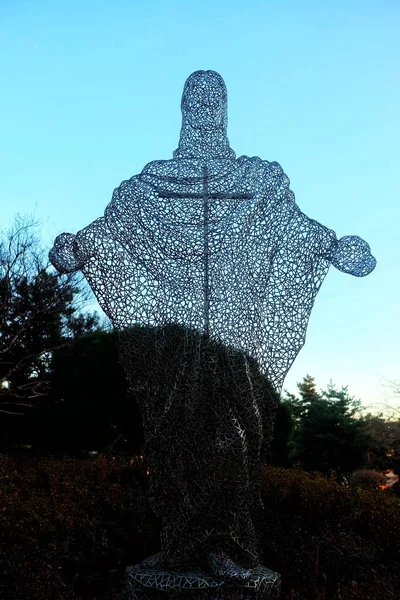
91,93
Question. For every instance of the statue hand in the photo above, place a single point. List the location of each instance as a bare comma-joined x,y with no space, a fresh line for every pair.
70,252
62,255
353,256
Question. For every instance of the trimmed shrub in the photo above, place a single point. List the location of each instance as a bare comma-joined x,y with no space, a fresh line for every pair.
328,540
69,527
367,479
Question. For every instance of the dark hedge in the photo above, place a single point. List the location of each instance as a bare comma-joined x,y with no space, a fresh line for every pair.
69,527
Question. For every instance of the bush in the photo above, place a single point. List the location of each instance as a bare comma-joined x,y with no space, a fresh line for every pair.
367,479
71,526
330,541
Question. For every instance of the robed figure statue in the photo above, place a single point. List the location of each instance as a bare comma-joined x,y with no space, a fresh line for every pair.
210,256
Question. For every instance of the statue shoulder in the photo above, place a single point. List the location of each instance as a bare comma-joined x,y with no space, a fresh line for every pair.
130,188
157,167
266,175
153,166
261,165
127,197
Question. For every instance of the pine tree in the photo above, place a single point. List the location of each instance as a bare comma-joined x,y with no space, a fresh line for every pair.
329,433
38,314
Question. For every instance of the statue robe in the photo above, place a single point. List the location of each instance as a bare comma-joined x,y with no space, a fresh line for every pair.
145,261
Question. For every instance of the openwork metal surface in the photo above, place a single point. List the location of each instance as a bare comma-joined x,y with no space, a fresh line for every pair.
212,257
263,583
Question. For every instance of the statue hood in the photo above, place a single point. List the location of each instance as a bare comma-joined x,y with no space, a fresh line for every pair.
204,118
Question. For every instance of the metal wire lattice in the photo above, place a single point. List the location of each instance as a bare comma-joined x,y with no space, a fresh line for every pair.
210,255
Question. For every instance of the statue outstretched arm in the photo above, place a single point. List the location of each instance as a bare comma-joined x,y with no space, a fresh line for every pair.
350,254
71,252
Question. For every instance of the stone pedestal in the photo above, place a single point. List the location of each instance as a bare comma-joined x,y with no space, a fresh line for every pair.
146,584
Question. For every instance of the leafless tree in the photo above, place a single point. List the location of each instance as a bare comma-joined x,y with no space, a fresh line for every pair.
39,313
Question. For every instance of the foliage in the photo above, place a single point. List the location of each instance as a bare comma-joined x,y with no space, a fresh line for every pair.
70,527
330,541
282,445
38,314
384,446
393,393
157,357
66,523
329,435
367,479
90,407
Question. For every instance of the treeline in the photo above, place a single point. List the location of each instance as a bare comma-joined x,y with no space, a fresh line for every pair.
63,390
327,432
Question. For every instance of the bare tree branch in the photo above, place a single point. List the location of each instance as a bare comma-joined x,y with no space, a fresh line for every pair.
39,314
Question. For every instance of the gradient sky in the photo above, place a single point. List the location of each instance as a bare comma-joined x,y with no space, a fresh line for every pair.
91,93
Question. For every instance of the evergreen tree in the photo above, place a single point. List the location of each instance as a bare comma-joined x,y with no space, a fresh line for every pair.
384,447
38,314
89,407
329,434
93,408
280,451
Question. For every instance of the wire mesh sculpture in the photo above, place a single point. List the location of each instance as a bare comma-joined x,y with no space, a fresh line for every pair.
211,257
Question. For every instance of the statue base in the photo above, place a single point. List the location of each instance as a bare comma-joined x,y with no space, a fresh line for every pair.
149,584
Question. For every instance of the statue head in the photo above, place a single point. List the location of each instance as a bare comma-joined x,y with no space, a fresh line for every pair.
204,117
204,101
